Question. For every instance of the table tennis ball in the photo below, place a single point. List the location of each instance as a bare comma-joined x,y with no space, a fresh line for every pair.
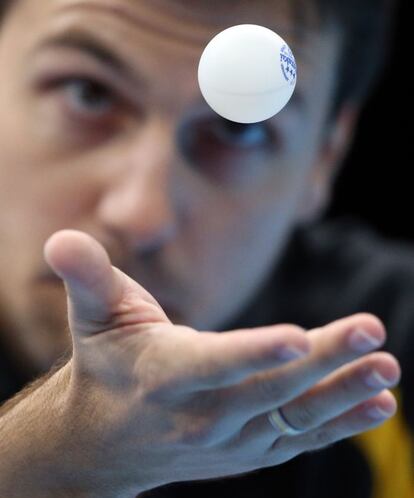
247,73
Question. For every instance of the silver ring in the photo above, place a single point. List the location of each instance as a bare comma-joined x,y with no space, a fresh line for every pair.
280,423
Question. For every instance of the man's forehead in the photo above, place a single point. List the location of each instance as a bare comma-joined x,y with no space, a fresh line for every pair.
208,12
186,23
196,21
207,7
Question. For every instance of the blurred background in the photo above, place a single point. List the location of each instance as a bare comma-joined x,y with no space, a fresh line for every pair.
375,184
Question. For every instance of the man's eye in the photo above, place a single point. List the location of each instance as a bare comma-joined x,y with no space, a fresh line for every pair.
88,96
220,139
226,152
240,135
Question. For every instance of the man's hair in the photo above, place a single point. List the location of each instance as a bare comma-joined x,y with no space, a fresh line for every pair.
366,26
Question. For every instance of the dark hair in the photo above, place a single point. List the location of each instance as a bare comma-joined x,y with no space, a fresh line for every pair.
4,5
366,26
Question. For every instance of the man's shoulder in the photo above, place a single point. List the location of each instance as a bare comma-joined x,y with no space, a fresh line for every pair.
335,268
347,245
339,267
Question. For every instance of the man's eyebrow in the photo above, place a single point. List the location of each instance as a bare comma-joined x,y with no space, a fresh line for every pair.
90,44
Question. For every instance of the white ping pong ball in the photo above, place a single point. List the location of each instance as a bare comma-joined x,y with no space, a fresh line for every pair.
247,73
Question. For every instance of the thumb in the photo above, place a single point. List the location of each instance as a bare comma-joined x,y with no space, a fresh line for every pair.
95,289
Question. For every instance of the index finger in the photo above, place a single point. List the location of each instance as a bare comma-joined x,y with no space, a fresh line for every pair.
226,358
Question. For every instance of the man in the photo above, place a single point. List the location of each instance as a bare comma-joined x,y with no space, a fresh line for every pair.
110,156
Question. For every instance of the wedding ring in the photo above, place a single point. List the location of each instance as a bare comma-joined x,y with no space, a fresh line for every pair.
280,423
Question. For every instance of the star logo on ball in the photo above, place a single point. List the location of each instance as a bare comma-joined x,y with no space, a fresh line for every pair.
288,64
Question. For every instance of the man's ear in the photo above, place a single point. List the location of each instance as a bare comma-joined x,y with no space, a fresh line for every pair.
335,144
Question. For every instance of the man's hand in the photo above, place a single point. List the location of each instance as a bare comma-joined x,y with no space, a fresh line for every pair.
150,403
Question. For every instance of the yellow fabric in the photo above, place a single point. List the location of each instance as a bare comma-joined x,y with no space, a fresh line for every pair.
390,452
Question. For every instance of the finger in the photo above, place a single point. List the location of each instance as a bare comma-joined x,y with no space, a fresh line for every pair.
366,416
338,393
258,434
227,358
332,346
342,390
98,293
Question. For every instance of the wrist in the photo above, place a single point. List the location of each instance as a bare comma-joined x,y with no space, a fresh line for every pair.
39,455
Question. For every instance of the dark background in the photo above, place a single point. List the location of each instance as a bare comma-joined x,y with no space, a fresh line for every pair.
375,182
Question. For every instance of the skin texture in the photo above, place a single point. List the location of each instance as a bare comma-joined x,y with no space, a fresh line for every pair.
194,214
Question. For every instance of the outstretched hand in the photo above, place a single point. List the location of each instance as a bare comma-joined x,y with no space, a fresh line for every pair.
150,402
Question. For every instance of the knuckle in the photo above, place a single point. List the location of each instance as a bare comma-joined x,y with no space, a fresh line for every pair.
322,439
304,417
326,360
347,385
158,381
155,389
290,328
201,434
268,390
282,450
158,388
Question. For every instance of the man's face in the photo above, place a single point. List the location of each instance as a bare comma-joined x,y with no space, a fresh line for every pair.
103,129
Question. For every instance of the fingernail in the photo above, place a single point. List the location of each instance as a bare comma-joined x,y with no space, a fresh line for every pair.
376,380
362,341
378,413
291,353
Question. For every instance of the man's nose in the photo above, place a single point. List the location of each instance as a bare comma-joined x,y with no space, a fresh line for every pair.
138,204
